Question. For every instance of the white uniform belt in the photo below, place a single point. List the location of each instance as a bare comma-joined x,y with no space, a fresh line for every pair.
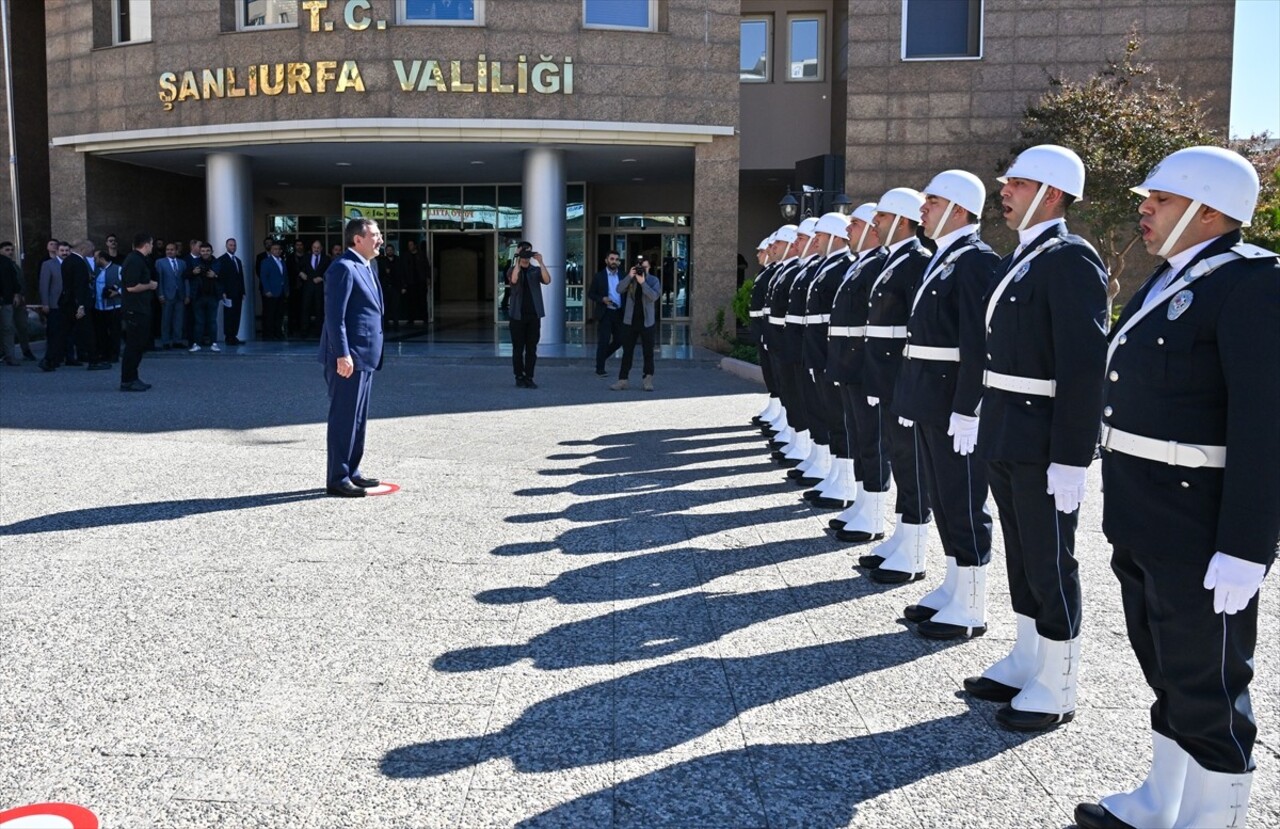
795,319
930,352
754,314
1019,385
1163,451
887,332
777,320
817,319
847,331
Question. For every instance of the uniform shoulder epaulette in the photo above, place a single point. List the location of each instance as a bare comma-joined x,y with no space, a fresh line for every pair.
1249,251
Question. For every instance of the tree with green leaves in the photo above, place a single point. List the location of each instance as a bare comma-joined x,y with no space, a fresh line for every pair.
1264,152
1121,122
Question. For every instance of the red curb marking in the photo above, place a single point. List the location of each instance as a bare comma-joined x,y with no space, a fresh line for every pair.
382,489
78,816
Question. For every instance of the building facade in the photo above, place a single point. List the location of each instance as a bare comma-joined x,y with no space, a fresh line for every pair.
581,125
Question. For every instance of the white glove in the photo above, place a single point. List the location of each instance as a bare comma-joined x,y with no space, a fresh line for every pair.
1066,485
964,433
907,424
1234,582
813,376
873,401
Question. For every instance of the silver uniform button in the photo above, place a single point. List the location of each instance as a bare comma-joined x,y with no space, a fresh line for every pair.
1107,411
1124,338
1115,375
1186,485
1159,340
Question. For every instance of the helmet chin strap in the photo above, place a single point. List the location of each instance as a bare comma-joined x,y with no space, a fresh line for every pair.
1172,239
830,241
893,228
866,228
1035,205
937,229
804,253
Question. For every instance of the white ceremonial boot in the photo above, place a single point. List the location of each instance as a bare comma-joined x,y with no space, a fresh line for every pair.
1213,799
840,488
935,599
964,616
835,471
799,448
1155,802
812,459
770,410
1003,680
882,551
1049,699
907,562
866,520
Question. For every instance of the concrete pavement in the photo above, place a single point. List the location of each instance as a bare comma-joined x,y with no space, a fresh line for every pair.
585,608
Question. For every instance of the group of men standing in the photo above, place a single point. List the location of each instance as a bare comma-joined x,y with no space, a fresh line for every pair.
958,373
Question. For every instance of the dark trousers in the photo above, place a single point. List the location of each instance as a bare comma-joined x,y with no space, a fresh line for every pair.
231,319
55,333
608,335
766,368
1039,544
631,333
106,330
20,330
67,336
525,334
909,473
848,395
871,445
137,338
206,311
348,416
787,374
272,309
1199,663
814,406
312,307
958,495
297,322
832,416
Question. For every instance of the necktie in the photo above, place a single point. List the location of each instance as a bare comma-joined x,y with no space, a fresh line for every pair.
1158,284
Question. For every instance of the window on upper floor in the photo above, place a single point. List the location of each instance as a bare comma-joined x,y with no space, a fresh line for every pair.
131,21
753,50
267,14
804,47
941,29
638,15
440,12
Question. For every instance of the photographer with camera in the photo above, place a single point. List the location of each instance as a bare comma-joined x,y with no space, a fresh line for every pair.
526,277
639,290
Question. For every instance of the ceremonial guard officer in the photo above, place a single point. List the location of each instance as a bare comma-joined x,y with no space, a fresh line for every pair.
1046,347
939,389
805,324
1192,486
901,558
755,314
837,488
784,239
846,351
784,347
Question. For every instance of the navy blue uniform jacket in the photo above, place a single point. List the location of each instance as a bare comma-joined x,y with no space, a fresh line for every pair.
1209,376
822,295
890,304
779,295
846,355
352,314
1051,324
951,313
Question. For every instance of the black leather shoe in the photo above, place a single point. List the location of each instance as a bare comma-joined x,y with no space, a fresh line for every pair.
366,483
944,632
529,384
1093,816
990,690
795,473
755,421
830,503
45,366
1014,720
134,386
894,576
73,363
99,366
520,381
805,480
860,537
917,613
346,489
837,524
601,373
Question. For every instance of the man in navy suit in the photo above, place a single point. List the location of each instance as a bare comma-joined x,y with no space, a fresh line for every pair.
351,351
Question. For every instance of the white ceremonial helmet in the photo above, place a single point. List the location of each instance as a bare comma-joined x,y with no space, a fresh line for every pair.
866,213
1211,176
807,228
958,187
786,233
765,242
903,203
835,224
1052,166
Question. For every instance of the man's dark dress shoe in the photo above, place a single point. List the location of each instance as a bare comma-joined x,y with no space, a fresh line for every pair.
366,483
944,632
99,366
755,421
830,503
990,690
134,386
345,489
870,562
529,384
1014,720
73,363
917,613
45,366
894,576
1093,816
520,382
837,524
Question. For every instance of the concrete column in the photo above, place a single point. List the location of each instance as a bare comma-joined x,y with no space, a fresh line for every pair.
229,202
544,194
